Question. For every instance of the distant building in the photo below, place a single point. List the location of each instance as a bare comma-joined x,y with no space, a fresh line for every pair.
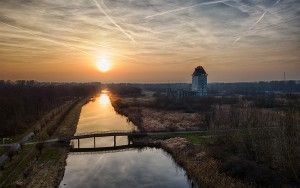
199,86
199,81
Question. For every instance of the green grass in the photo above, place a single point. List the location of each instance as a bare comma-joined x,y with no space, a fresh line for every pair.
2,150
26,157
194,138
14,169
50,153
197,139
18,164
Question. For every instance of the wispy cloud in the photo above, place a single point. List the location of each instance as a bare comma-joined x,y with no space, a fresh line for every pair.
184,8
154,33
276,2
37,36
252,27
114,22
259,19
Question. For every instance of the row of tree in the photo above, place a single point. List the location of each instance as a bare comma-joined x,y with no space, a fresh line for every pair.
125,90
23,103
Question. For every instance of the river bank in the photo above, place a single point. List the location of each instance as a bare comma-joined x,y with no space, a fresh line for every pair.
43,165
132,166
244,158
190,152
202,168
53,160
139,111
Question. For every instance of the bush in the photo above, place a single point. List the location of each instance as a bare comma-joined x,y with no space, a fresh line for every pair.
268,138
39,147
250,171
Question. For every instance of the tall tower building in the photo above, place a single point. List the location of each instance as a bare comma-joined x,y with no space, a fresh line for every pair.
199,81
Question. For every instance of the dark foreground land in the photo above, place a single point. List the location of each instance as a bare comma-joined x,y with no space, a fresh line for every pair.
249,140
44,111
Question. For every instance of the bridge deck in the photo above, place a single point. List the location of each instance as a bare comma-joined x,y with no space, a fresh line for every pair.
105,134
99,149
137,133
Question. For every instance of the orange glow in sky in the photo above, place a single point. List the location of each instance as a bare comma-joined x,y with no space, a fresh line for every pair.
144,41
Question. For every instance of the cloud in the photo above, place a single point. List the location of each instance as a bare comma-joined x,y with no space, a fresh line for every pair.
114,22
185,8
158,32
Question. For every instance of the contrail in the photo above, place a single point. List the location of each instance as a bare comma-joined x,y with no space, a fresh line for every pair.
251,28
113,22
276,2
43,38
236,40
57,42
183,8
257,21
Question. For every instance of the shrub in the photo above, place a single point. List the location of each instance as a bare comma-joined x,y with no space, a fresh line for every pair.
251,171
39,147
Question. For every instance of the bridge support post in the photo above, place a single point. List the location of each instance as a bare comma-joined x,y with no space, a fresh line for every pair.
115,142
78,144
94,142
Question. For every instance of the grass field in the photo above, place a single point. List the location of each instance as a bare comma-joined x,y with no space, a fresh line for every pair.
194,138
18,165
31,166
2,151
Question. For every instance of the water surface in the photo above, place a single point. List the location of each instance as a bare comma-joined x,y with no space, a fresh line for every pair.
130,168
99,115
133,168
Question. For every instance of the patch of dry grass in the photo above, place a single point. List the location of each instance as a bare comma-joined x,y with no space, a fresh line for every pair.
154,120
199,165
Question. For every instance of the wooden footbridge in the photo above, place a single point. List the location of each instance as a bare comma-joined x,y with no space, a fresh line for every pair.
106,133
132,134
112,149
129,134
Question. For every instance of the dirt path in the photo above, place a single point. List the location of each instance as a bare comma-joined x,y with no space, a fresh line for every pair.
46,169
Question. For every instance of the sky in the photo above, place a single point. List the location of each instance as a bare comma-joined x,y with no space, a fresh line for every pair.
149,40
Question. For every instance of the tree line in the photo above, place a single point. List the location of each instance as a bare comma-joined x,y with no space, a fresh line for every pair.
22,102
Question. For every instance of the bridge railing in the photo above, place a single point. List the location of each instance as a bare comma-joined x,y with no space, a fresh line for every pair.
106,132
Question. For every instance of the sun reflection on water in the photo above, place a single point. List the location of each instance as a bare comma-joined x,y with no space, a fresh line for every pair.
104,99
100,115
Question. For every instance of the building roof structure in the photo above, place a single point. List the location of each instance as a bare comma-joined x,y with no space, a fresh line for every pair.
199,71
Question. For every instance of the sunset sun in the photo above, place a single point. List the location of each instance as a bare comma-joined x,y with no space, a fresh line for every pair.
103,64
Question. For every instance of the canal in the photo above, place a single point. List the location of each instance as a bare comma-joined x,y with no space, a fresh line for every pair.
148,167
